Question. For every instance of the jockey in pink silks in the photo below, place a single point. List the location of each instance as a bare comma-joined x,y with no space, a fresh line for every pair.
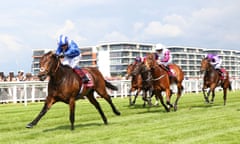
165,57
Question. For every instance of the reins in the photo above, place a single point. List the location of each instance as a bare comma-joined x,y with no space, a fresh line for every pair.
57,67
158,78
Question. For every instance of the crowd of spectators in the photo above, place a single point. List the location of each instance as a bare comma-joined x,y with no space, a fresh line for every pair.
20,76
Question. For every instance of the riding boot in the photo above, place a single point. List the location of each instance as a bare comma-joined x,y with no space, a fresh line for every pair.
166,68
220,72
83,76
85,79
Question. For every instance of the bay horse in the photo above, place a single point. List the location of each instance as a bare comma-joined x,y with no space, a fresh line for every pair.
160,80
212,78
65,85
136,84
147,87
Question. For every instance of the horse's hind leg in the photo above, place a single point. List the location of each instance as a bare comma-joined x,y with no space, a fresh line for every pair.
103,93
48,103
93,101
179,93
224,95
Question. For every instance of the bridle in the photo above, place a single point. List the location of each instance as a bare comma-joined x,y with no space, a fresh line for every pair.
45,70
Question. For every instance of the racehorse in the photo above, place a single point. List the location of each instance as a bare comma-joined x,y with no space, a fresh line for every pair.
160,80
212,78
141,69
65,85
136,84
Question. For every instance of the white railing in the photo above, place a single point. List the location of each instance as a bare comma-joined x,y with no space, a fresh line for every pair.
32,91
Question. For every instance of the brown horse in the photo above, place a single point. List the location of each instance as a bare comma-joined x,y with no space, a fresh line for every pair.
160,80
212,78
66,86
136,84
147,87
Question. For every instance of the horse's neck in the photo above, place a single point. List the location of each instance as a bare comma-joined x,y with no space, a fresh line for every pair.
60,74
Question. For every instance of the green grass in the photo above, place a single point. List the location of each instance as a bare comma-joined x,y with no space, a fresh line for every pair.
194,123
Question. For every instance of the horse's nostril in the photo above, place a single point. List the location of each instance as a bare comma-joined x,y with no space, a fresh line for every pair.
42,69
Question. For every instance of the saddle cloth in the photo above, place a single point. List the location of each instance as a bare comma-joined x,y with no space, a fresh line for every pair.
223,75
171,71
85,72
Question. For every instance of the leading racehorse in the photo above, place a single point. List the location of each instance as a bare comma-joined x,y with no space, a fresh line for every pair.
212,78
66,86
160,80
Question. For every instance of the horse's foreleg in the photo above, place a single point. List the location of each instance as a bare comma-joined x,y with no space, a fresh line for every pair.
135,97
213,95
130,97
168,96
48,103
205,96
160,97
72,112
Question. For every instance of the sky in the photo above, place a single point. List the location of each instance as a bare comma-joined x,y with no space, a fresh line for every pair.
36,24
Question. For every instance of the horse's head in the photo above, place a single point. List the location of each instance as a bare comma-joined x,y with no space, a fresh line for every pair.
205,65
49,63
130,68
150,61
140,68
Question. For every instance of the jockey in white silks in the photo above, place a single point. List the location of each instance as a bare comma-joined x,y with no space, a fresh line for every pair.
214,60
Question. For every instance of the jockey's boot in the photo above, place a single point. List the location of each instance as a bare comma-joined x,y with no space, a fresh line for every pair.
166,68
83,76
85,79
220,72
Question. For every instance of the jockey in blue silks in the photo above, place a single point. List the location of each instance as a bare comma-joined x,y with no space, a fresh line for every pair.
72,54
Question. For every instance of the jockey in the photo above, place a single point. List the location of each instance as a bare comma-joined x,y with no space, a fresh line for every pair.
71,53
164,56
215,61
138,59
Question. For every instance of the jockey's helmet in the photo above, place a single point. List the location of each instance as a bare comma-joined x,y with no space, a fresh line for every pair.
62,40
138,59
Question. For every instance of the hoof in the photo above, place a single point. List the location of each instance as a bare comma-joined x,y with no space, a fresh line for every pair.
29,125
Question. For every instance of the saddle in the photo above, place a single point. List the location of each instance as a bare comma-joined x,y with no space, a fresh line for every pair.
81,73
169,69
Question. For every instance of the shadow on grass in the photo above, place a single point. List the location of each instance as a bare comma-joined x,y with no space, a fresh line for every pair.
205,105
67,127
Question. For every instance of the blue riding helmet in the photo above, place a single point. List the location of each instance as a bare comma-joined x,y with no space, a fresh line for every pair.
62,40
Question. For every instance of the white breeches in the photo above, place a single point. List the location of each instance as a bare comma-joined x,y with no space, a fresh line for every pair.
72,62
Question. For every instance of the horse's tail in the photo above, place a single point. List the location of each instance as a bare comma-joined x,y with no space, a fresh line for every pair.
111,86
